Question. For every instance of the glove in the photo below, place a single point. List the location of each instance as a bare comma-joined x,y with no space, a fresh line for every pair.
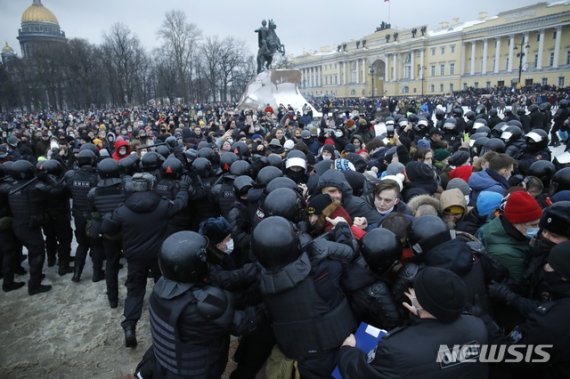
502,292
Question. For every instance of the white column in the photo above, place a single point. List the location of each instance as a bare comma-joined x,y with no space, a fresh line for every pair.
395,67
386,60
312,76
463,52
344,73
485,47
357,79
557,46
338,73
413,68
320,76
498,56
473,46
525,50
511,53
540,50
422,63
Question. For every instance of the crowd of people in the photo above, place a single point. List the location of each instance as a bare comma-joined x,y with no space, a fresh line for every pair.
445,222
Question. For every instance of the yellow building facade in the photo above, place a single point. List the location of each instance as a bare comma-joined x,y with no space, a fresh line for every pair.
531,43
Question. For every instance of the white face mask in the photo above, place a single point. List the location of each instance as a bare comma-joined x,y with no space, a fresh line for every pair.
229,246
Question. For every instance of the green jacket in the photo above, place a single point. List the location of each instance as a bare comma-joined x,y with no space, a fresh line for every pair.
506,248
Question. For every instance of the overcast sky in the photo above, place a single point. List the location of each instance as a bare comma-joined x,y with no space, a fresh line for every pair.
306,24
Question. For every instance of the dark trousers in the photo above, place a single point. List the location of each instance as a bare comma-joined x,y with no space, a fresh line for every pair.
84,244
9,252
32,238
137,274
58,237
252,352
112,249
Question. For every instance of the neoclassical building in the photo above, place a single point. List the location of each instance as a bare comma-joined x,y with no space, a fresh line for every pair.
530,43
40,29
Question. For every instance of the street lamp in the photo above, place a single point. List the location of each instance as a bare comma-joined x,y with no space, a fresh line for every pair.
372,71
520,55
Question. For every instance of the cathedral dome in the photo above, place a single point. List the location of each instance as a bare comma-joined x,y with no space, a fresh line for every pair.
37,13
7,49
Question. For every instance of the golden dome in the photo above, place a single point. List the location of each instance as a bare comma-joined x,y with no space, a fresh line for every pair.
7,49
38,13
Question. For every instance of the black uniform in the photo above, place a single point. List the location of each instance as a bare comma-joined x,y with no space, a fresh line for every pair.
10,247
28,211
78,183
169,188
143,221
103,200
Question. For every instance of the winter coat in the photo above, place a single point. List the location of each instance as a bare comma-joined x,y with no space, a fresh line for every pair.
120,142
420,200
506,244
487,180
143,220
452,197
401,355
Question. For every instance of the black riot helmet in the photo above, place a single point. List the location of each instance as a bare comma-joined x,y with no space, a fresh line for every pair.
86,157
493,112
226,161
202,167
521,111
172,168
240,167
142,182
478,145
563,103
281,182
512,133
242,184
283,202
537,138
267,174
275,160
128,165
494,144
91,147
275,243
381,248
50,166
208,153
560,181
108,168
151,161
450,124
171,143
532,108
470,115
22,170
240,149
499,129
182,257
478,123
426,232
162,150
439,114
457,112
543,170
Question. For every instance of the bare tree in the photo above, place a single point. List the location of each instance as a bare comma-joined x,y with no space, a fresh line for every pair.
178,51
212,50
122,54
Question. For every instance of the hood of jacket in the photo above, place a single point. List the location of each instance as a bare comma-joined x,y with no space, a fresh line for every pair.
417,201
454,255
333,178
481,180
142,202
452,197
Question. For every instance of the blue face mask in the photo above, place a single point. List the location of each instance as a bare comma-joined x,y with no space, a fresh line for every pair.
531,232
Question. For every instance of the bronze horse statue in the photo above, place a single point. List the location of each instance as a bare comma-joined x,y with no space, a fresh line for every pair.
268,46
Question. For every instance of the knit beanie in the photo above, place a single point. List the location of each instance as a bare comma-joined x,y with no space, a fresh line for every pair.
424,143
419,171
440,154
441,292
395,168
349,148
329,148
318,203
458,158
521,208
559,259
460,184
488,202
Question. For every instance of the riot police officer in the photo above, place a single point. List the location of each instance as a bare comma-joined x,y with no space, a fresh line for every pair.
190,322
26,199
78,183
107,196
